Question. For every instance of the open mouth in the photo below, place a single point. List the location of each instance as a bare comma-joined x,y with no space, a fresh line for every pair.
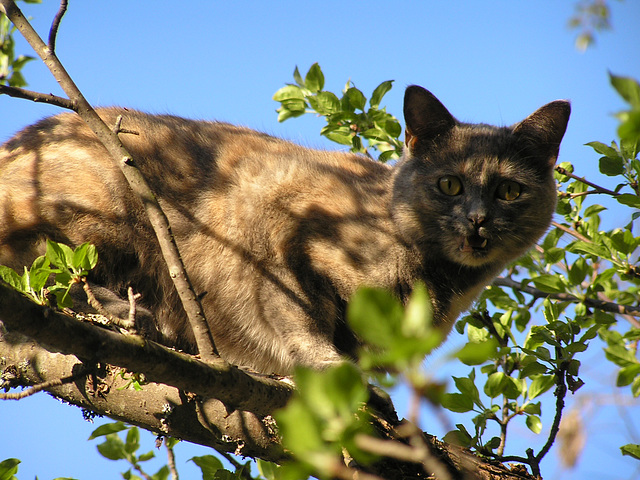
474,243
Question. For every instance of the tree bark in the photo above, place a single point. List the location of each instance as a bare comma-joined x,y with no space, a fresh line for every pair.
219,406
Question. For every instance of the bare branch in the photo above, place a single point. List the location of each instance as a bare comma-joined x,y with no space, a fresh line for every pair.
171,460
53,32
597,188
571,232
566,297
43,386
37,97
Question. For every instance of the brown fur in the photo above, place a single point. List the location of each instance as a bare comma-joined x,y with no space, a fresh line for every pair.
276,237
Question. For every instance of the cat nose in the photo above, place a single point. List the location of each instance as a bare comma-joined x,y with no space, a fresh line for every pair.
476,218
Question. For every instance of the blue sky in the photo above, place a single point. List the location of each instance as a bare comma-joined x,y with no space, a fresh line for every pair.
493,62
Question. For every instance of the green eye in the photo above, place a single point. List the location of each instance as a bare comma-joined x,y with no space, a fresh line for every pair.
450,185
508,190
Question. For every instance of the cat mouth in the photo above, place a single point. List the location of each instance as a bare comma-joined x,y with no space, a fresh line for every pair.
474,244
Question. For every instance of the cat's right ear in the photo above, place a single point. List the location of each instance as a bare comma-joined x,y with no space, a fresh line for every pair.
545,128
425,117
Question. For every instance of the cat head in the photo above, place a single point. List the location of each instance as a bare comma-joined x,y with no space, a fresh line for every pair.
476,194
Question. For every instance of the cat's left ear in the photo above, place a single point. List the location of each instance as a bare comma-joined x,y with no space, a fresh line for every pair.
545,127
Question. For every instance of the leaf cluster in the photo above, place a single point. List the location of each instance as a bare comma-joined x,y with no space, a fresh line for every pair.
62,263
349,121
10,65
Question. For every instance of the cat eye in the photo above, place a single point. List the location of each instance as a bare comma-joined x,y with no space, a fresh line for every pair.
450,185
508,190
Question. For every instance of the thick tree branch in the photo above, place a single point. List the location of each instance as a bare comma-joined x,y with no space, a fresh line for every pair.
138,184
162,409
219,415
235,388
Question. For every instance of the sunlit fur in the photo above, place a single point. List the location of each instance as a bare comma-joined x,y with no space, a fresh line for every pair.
276,237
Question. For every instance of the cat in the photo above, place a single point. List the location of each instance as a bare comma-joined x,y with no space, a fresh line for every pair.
275,237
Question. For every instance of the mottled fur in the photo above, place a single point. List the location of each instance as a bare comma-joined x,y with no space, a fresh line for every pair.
277,237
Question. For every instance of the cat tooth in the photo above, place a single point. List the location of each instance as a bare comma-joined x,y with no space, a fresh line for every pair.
484,244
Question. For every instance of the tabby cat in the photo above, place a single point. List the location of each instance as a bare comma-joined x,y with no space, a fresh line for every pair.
277,237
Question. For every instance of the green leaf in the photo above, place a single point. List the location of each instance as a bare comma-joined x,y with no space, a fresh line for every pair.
85,257
603,149
578,271
458,437
356,98
208,464
581,247
457,402
106,429
478,353
540,384
288,92
375,315
11,277
268,470
495,385
619,355
628,374
611,166
631,450
314,80
297,77
628,88
629,199
532,408
59,254
132,442
8,468
467,386
379,92
325,103
418,314
534,423
113,447
549,283
533,368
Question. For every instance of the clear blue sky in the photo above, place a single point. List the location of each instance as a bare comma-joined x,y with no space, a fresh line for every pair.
492,62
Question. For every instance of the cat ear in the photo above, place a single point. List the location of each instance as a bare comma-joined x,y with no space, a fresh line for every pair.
424,115
545,127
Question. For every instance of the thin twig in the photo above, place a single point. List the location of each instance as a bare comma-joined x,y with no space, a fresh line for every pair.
571,232
132,306
171,460
43,386
98,307
560,393
598,188
38,97
567,297
53,31
145,475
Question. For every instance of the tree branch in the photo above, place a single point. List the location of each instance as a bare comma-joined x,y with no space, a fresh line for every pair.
566,297
597,188
159,408
125,162
37,97
55,25
236,389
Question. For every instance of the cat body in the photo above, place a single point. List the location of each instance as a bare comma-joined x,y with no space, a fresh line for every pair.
276,237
